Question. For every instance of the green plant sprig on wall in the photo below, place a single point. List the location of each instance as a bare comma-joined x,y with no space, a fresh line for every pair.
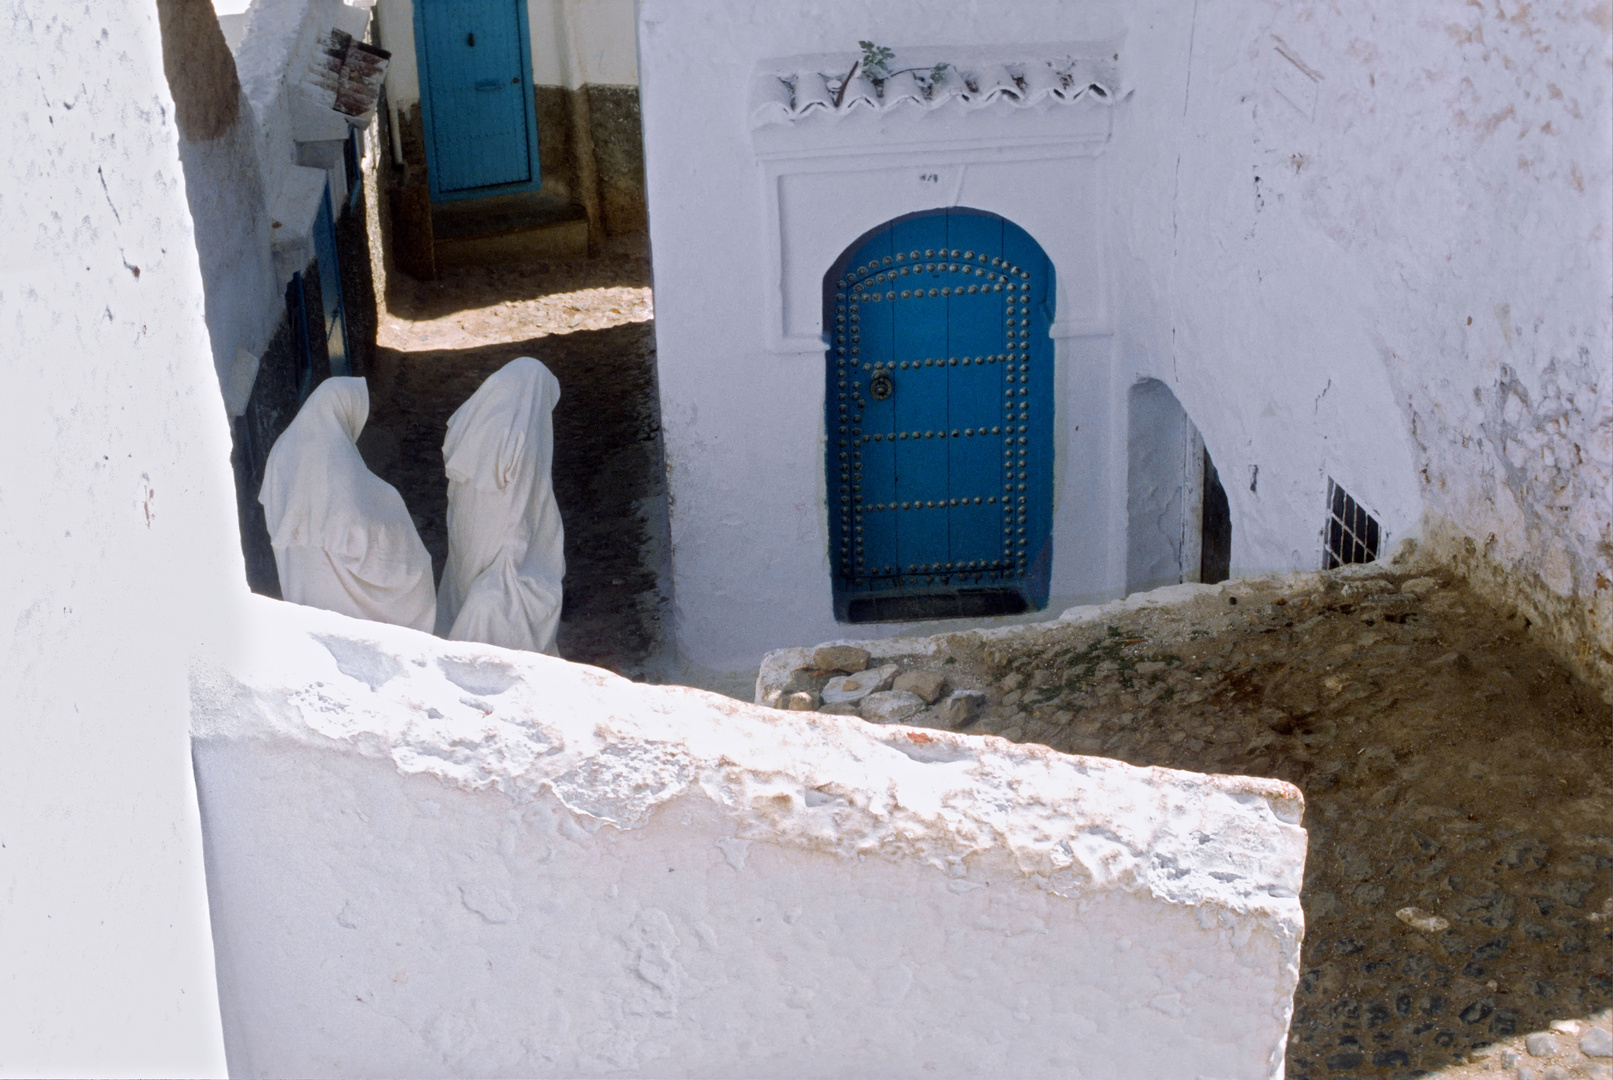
875,63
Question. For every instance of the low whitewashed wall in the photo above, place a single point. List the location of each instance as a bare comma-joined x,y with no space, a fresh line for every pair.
431,857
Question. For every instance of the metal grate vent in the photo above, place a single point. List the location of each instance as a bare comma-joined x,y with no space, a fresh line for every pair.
1352,533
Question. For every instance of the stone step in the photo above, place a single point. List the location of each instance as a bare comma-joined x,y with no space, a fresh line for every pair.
529,227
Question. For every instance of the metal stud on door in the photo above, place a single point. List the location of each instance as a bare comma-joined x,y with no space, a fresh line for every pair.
939,413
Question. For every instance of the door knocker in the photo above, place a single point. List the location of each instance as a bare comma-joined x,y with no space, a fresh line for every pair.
881,385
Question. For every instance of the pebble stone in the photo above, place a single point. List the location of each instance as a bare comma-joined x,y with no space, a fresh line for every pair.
847,658
1541,1043
929,685
1597,1042
844,689
1419,586
961,708
890,706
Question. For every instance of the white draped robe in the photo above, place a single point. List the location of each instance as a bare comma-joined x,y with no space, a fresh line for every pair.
343,539
506,547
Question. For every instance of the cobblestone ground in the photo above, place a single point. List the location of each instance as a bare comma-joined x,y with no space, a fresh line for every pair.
590,321
1457,786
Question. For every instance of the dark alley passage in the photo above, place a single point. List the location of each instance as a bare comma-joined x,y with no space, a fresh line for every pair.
589,322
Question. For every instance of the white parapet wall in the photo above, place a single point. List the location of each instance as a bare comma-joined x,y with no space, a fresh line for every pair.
442,858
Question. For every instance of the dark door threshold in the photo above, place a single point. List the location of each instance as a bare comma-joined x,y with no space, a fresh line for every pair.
924,607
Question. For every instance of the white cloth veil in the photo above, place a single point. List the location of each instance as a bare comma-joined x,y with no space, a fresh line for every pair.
506,546
342,537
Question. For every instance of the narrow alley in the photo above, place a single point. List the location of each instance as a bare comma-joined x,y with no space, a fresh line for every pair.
589,320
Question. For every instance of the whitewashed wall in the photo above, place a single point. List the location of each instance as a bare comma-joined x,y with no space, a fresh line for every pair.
738,307
437,858
117,534
273,57
1388,202
1312,322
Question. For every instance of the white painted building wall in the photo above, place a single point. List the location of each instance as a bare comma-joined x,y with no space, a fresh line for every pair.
277,44
431,857
1312,323
118,537
1430,225
1164,490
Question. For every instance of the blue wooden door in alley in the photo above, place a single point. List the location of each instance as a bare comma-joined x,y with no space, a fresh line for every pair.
940,419
330,288
476,96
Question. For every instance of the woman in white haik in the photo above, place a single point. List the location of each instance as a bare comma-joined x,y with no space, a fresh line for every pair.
506,547
342,538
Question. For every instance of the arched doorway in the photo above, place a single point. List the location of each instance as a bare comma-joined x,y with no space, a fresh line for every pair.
939,412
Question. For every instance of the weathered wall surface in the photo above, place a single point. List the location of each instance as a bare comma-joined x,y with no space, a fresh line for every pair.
438,858
1163,501
738,315
1389,201
1369,244
224,185
119,549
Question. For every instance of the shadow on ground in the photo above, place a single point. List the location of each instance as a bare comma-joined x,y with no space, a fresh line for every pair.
470,288
608,475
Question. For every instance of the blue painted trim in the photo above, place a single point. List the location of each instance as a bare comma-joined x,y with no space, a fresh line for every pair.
530,103
297,309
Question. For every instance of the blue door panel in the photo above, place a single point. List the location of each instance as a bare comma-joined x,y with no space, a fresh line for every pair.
940,408
330,288
478,94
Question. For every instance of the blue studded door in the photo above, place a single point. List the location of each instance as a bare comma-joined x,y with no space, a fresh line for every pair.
940,420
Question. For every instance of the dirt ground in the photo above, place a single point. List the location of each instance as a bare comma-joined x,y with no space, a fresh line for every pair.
589,321
1449,763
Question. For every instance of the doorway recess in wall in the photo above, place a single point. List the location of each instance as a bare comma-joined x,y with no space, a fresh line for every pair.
1178,526
1352,534
1215,529
939,412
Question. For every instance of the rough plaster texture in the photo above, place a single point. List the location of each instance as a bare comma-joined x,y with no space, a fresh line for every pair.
119,548
450,859
1389,200
741,366
224,189
272,61
1294,215
1164,489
